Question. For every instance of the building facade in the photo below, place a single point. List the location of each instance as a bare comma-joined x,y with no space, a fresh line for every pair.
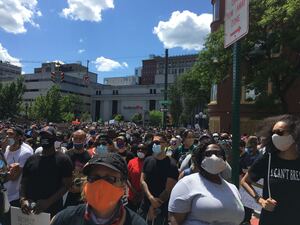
70,78
127,100
121,81
9,72
153,69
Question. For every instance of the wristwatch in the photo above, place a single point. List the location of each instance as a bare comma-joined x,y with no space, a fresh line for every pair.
257,197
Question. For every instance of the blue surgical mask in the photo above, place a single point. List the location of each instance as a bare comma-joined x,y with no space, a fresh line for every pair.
11,141
156,149
101,149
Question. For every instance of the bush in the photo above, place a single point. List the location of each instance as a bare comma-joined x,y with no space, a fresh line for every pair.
155,118
118,118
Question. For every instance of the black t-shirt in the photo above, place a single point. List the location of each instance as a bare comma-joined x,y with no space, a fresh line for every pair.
156,174
127,155
44,176
74,215
78,160
284,186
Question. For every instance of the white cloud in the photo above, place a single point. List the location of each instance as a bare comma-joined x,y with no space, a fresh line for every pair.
89,10
105,65
6,57
55,61
81,51
80,40
184,29
15,13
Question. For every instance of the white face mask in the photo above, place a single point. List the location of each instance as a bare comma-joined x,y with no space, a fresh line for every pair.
282,143
141,155
213,164
11,141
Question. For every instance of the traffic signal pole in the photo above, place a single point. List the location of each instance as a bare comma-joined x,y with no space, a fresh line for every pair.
166,89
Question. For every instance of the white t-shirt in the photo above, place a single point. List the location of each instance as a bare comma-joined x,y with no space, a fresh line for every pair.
206,202
20,156
25,145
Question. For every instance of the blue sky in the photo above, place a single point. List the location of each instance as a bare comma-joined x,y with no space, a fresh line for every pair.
116,35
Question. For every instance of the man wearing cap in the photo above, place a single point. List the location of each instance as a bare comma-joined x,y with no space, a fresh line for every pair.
46,177
106,181
15,155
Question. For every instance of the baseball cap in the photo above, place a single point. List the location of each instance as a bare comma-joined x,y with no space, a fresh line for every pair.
109,159
48,129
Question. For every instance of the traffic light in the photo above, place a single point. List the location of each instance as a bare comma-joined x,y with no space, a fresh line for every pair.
62,76
53,76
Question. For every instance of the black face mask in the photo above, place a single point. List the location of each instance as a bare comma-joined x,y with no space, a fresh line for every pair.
47,142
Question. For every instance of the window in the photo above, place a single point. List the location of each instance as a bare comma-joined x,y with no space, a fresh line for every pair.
114,107
152,104
150,91
154,91
216,10
115,92
214,93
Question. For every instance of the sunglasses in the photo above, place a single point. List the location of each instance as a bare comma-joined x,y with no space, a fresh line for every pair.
209,153
109,179
158,142
280,132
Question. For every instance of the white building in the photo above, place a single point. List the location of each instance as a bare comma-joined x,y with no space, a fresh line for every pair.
71,81
9,72
121,81
126,100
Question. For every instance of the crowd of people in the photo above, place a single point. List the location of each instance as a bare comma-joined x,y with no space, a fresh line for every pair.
130,175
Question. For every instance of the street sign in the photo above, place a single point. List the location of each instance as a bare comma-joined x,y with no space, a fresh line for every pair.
165,102
164,110
236,20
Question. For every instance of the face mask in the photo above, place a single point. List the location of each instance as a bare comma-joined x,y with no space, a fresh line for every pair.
101,149
282,143
141,155
119,145
46,142
57,144
102,196
11,141
78,146
213,164
156,149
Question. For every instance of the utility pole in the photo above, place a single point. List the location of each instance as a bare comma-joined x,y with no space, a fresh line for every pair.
166,90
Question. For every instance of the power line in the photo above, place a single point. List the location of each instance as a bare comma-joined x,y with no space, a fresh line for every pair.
39,61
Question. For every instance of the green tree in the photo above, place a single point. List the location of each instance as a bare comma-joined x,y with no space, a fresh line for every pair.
71,104
118,118
136,118
55,107
155,118
11,98
86,117
270,52
176,106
